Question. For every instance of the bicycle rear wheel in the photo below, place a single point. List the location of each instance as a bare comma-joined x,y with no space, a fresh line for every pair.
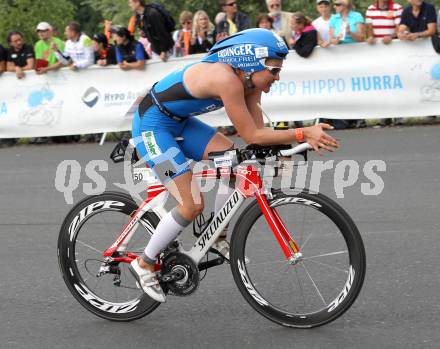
88,230
318,289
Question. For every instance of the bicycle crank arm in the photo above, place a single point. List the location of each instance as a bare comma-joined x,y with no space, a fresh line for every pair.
211,263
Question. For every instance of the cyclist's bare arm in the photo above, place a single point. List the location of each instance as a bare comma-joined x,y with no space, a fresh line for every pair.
220,81
246,115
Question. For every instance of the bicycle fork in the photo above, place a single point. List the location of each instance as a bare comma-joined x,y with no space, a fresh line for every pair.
289,247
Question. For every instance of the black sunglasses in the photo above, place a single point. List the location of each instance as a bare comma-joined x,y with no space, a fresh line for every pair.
231,4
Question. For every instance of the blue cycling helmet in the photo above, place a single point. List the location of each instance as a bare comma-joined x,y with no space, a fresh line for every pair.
248,49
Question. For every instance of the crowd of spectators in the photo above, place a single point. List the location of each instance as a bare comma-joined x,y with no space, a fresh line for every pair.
158,39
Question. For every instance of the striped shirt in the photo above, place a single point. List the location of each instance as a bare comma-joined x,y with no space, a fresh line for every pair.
384,22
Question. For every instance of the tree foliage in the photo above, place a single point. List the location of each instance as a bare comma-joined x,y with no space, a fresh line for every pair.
115,10
24,15
89,18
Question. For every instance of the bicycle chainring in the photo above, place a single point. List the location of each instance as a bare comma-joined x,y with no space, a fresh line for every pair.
177,262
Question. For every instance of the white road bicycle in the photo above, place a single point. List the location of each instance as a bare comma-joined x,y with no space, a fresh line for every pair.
306,256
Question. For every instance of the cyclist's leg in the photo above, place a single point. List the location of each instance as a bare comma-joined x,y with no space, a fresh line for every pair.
203,139
187,194
170,165
165,158
155,143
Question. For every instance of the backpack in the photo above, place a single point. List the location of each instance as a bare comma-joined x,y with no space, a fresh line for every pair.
170,24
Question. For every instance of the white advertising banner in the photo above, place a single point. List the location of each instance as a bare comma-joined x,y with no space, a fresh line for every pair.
343,82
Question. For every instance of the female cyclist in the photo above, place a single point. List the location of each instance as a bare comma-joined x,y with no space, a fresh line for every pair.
233,75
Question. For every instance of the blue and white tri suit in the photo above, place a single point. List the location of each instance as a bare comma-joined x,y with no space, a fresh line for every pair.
155,132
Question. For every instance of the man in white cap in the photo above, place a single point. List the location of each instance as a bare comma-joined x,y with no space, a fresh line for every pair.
281,19
44,53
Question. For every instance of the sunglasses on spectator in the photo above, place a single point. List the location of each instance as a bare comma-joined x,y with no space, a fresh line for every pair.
274,5
42,31
338,4
273,70
186,22
231,4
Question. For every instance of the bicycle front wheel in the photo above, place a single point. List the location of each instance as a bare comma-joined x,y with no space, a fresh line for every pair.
319,288
105,289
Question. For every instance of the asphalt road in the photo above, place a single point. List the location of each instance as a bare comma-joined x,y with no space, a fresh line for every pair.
399,306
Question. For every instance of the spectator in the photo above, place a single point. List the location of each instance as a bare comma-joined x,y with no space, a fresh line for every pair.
20,56
304,35
104,52
219,18
78,51
264,21
281,19
418,21
321,23
182,37
130,54
234,21
3,56
44,54
383,18
132,29
203,34
346,26
156,25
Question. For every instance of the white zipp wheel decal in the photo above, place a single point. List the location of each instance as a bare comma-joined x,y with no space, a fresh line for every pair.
294,200
340,298
252,291
103,305
86,211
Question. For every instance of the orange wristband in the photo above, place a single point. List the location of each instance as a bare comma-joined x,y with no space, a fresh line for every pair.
299,135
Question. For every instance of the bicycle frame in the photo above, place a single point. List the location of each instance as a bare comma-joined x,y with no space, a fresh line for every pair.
248,184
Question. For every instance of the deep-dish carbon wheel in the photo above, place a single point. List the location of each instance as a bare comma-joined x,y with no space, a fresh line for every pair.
319,288
106,289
